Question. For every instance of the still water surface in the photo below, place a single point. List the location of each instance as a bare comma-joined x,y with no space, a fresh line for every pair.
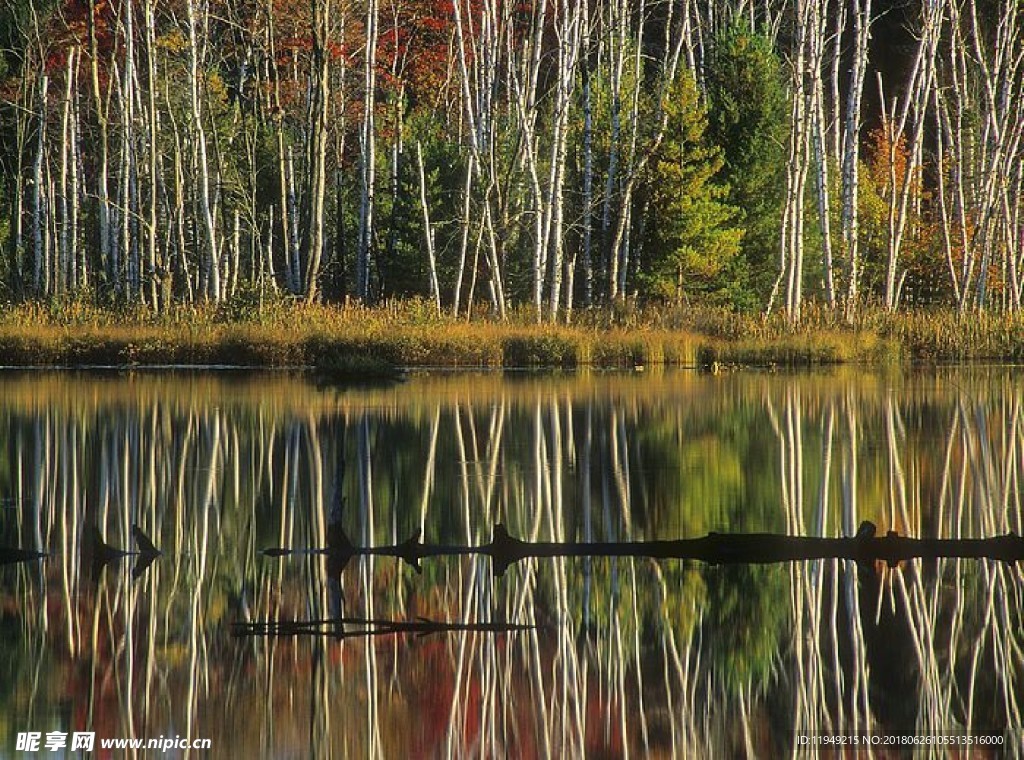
629,657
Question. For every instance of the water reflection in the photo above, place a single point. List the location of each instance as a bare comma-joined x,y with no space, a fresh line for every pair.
628,656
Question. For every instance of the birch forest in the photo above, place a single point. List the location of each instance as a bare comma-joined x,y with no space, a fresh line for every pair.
544,156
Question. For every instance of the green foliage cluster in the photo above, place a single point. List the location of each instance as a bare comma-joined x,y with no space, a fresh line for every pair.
691,235
748,118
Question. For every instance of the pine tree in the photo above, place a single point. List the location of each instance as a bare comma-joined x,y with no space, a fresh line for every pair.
747,116
689,231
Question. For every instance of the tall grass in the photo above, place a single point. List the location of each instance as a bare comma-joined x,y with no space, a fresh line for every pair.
281,332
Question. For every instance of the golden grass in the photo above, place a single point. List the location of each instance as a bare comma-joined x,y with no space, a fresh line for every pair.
282,333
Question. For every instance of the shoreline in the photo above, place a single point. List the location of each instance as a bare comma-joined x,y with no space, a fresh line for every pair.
484,346
366,342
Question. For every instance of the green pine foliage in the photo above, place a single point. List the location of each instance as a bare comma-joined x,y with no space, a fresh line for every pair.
748,119
690,232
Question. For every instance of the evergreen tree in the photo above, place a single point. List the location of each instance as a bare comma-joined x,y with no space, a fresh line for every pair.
747,116
689,236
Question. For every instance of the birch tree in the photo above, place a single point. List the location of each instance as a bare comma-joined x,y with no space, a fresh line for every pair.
478,88
791,250
861,16
913,109
314,239
817,49
198,15
100,107
368,155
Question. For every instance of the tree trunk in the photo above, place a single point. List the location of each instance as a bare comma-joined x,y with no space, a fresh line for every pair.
368,154
428,230
63,274
197,46
851,158
317,164
39,211
153,274
103,197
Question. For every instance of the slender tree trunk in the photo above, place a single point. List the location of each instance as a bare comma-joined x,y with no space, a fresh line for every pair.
915,103
479,123
368,152
180,215
818,31
78,275
102,170
568,30
941,192
286,195
851,157
153,274
797,165
618,31
127,206
588,173
39,211
293,264
317,164
464,225
197,46
63,275
428,230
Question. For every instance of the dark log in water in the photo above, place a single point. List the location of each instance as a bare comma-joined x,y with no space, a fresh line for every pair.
9,555
347,627
715,548
97,553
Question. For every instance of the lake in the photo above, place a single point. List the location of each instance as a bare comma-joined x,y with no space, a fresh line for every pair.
305,656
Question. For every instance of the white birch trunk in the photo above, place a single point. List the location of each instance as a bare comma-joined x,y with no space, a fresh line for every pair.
914,105
39,211
368,152
63,275
819,128
197,14
103,194
317,164
476,96
568,31
588,177
152,274
851,153
428,230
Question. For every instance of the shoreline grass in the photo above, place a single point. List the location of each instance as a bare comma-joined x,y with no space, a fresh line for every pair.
354,340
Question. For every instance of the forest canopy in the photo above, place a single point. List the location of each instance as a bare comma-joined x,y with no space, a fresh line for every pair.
544,154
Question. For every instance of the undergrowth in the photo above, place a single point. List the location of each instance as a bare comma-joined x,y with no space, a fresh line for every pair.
285,332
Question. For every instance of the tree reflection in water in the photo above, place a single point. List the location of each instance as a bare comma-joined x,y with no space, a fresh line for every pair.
630,655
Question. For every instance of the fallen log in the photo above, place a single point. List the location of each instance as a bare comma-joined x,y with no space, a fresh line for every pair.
351,627
714,548
10,555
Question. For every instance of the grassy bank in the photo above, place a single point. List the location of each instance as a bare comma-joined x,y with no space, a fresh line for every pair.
360,341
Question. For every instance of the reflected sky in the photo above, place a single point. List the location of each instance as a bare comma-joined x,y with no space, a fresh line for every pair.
626,656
